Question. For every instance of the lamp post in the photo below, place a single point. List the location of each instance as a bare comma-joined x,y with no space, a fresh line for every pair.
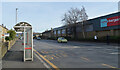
16,14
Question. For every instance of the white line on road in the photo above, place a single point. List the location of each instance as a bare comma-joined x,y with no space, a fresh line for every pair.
115,53
108,49
98,47
71,47
42,61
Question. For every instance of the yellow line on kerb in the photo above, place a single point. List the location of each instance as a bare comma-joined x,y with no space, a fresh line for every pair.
109,66
55,67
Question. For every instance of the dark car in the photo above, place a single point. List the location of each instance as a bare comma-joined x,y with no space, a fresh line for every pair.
38,38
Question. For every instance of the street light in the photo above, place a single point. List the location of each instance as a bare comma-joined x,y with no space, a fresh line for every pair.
16,15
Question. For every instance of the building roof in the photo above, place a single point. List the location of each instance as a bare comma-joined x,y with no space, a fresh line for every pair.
103,16
46,31
87,22
4,27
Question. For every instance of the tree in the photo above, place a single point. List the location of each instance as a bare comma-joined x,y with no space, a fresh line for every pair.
8,38
12,34
73,16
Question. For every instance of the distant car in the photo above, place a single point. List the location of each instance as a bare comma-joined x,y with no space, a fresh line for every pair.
61,40
38,38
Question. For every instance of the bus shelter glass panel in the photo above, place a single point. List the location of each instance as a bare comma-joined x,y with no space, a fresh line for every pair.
28,54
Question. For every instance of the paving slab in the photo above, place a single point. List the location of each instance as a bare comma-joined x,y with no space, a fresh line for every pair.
14,58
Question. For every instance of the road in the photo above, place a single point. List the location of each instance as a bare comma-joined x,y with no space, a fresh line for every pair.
78,54
51,54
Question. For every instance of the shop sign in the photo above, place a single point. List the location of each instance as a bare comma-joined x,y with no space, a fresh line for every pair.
113,21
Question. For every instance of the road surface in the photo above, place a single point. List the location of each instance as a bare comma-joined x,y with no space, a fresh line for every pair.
78,54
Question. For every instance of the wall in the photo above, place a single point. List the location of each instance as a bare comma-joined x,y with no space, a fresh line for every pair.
4,47
2,31
0,34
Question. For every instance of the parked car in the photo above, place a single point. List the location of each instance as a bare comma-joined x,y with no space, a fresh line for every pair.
61,40
38,38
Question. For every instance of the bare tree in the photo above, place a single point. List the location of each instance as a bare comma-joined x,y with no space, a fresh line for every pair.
73,16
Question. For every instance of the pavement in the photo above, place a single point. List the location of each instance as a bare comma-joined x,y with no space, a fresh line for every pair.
14,58
51,54
0,63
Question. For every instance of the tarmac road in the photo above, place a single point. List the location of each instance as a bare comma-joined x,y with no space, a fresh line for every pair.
78,54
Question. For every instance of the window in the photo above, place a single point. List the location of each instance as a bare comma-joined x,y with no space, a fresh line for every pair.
63,31
54,32
58,31
88,28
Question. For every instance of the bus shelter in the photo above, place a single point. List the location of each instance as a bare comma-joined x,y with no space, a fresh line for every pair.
27,43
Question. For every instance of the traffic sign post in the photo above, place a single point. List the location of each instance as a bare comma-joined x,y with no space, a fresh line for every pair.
28,39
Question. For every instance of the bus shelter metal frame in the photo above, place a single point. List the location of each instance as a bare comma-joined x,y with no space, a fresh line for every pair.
24,30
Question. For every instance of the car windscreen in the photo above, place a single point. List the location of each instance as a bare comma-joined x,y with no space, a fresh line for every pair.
62,38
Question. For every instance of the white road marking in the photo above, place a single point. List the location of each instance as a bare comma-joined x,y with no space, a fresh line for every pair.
98,47
115,53
89,49
76,47
108,49
42,61
71,47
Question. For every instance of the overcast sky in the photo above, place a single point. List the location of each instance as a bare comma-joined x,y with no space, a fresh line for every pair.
46,15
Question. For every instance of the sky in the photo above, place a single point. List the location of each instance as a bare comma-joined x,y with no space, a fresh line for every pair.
47,15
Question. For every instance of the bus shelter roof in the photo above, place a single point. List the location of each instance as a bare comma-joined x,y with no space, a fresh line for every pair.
20,26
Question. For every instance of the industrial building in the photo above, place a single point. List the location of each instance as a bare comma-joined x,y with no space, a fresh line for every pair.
108,25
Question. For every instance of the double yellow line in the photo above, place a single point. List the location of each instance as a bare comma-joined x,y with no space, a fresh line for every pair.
109,66
55,67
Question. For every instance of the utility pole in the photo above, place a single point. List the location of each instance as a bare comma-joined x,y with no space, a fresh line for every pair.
16,15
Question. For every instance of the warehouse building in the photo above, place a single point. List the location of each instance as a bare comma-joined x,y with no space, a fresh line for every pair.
108,25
